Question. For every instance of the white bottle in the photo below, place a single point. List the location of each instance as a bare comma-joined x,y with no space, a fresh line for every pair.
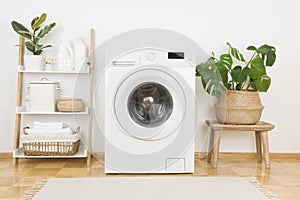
65,57
80,52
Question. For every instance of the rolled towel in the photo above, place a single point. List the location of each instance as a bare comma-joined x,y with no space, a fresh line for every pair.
51,125
64,131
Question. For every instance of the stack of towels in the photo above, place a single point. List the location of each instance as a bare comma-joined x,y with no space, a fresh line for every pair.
52,128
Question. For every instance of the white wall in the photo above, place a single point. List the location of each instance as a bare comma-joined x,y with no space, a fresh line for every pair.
209,23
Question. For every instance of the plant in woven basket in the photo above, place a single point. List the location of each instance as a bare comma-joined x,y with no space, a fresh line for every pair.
240,80
35,35
232,71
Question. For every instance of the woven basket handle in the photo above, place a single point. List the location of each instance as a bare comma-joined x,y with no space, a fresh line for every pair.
25,130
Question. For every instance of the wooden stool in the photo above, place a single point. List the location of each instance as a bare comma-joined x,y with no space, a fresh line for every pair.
261,135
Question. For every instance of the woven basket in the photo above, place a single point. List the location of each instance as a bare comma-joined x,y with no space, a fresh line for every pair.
70,105
50,145
51,148
239,107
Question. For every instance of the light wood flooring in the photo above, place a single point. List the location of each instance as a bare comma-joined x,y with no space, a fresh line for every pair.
282,179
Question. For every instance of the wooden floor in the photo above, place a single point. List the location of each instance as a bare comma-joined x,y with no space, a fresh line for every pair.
282,179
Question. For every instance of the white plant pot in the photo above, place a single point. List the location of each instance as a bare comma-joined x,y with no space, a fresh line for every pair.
34,62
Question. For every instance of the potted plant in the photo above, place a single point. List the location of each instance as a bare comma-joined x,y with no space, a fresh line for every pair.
33,37
237,82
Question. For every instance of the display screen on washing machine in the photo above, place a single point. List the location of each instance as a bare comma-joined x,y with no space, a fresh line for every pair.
150,104
175,55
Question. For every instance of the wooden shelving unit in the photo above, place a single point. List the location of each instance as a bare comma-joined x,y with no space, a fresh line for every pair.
83,152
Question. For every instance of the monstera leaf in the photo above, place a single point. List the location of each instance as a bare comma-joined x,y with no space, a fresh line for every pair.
235,53
211,77
240,75
268,54
257,68
263,83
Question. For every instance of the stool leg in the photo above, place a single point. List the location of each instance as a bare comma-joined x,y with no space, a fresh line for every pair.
215,150
265,142
258,146
211,145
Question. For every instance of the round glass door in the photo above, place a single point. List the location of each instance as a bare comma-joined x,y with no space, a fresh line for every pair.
150,104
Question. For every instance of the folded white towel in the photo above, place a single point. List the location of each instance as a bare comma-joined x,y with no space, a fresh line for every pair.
51,125
64,131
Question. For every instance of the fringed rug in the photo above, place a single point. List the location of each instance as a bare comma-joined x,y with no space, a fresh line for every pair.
149,188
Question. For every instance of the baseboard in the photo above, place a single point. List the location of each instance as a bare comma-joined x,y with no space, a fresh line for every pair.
6,155
250,154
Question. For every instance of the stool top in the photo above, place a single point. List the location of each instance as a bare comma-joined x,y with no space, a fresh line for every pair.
260,126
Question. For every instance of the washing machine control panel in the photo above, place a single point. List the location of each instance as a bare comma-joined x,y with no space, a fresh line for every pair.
154,56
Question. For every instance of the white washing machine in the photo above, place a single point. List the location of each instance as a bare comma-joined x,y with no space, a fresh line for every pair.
149,112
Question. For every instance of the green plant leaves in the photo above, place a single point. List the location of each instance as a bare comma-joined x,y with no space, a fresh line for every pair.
39,21
225,61
257,68
217,75
263,83
268,54
211,77
45,30
33,22
21,30
224,65
235,53
251,48
240,75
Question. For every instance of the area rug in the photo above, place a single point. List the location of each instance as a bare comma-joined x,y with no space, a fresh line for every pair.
150,188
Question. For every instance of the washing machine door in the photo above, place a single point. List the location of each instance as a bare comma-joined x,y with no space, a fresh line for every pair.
149,103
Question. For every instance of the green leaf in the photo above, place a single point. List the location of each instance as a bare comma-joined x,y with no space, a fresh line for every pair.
240,75
30,46
33,22
251,48
38,52
263,83
268,54
40,21
235,53
211,78
46,46
226,61
25,32
45,30
223,72
21,30
257,67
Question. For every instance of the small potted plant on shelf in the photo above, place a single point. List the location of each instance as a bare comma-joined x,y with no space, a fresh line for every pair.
237,82
33,37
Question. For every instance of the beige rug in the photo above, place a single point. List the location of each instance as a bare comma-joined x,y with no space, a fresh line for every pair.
150,188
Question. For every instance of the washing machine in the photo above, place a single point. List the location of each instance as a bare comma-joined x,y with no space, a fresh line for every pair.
149,112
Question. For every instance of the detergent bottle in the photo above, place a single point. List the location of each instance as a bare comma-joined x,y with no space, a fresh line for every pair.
80,53
65,57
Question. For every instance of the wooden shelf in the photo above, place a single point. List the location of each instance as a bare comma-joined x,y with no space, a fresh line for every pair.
21,110
22,69
82,153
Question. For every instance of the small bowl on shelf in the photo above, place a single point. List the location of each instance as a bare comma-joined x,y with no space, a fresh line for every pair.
70,105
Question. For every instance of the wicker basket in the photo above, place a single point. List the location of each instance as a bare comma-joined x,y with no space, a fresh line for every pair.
239,107
50,148
51,145
70,105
